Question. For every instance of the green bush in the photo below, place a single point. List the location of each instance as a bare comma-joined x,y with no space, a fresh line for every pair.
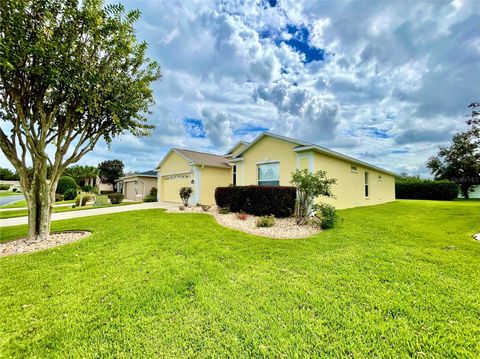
417,188
69,194
58,197
327,215
205,207
64,183
152,196
86,197
4,187
257,200
115,198
14,190
266,221
185,193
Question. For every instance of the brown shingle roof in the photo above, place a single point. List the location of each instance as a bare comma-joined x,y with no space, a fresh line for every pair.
202,158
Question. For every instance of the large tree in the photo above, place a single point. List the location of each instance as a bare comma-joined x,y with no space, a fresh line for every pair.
110,170
71,73
459,163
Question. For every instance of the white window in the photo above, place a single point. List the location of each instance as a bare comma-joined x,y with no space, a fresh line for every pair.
366,185
268,174
354,169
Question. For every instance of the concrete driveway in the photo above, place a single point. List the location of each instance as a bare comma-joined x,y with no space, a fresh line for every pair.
7,222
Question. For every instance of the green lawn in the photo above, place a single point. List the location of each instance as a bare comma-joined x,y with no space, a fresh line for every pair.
6,194
398,280
23,203
24,212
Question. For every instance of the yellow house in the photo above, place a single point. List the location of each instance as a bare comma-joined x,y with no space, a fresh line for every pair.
270,160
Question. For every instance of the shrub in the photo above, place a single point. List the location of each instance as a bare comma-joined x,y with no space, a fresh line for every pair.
417,188
152,196
258,200
310,186
185,193
206,207
327,215
242,216
115,198
181,208
266,221
86,197
58,197
14,190
70,194
64,183
87,188
4,187
223,210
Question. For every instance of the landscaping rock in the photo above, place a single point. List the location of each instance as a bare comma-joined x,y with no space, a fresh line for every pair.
24,245
283,228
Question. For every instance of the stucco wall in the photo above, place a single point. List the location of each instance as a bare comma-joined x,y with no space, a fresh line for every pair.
269,149
168,189
211,178
350,187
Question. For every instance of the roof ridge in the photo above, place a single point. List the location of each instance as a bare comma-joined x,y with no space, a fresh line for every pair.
203,153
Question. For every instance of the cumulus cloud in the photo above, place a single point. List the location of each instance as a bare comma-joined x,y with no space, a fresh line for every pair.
353,76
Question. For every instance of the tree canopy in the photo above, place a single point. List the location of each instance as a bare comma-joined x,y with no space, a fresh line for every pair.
110,170
71,73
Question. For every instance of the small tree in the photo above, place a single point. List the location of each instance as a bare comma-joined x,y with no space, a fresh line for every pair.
110,170
309,187
71,73
185,193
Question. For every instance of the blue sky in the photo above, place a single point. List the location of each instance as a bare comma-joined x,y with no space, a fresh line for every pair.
386,82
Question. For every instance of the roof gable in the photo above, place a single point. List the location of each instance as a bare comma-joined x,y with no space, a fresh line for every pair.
198,158
269,134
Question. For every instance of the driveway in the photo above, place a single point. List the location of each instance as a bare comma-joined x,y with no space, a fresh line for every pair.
9,199
7,222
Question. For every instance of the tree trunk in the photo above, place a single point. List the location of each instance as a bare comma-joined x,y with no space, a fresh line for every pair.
40,199
465,190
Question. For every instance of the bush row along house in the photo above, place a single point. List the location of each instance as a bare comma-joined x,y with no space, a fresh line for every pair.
268,160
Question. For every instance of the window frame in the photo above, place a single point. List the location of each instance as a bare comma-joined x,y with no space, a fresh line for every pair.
258,173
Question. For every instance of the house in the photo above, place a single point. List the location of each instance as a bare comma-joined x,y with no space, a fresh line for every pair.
137,185
270,160
14,186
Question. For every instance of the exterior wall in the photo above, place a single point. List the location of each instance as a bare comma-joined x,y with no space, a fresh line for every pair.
210,179
136,188
350,187
269,149
240,147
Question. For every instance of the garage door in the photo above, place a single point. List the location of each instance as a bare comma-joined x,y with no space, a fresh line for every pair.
171,186
130,191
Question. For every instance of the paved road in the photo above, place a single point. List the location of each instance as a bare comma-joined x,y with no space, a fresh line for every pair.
7,222
10,199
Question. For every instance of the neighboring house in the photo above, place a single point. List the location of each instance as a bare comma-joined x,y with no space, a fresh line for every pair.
14,185
103,187
270,160
137,185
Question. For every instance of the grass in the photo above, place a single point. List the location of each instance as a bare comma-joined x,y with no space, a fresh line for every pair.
398,280
24,212
23,203
6,194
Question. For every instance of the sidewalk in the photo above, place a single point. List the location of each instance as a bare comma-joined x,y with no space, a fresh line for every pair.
25,208
7,222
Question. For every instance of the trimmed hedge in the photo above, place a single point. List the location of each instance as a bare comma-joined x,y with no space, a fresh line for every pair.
257,200
416,188
64,183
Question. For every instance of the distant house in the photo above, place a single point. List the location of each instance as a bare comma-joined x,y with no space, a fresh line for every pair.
269,160
14,185
137,185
